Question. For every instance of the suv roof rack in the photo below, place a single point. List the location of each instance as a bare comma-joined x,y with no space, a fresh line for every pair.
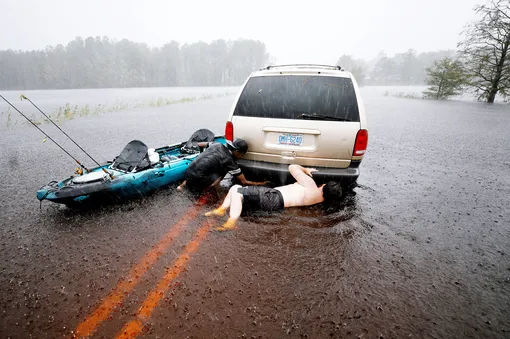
340,68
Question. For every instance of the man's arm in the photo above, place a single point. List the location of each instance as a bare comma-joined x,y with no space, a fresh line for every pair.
235,171
203,144
246,182
217,188
303,175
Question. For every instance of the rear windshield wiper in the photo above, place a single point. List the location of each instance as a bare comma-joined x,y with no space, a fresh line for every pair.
320,117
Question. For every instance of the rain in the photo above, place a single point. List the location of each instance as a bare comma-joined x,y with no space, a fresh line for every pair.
417,247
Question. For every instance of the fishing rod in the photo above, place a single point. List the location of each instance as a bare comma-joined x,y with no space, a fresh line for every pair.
22,96
24,116
47,117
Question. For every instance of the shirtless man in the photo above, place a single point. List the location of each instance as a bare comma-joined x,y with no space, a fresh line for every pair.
304,192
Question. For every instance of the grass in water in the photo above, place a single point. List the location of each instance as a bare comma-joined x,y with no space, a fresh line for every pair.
68,112
8,112
403,95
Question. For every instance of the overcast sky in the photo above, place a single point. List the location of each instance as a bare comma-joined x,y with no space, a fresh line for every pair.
318,32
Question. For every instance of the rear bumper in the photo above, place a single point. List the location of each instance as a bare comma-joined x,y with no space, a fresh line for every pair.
279,173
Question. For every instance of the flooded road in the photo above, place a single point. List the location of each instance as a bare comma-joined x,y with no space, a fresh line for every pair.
421,248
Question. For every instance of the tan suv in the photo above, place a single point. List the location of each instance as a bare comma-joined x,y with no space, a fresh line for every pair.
311,115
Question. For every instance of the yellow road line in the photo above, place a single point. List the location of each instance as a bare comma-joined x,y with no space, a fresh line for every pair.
88,326
135,326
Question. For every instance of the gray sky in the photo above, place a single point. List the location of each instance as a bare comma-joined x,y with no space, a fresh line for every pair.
319,32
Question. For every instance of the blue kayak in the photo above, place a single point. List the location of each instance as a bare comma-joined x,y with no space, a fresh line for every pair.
138,170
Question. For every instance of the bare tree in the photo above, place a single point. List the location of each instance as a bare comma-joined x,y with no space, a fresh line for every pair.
485,50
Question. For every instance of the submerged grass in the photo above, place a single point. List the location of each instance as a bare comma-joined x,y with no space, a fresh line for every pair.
69,112
8,113
403,95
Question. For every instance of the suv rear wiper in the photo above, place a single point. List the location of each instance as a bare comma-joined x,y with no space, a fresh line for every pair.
319,117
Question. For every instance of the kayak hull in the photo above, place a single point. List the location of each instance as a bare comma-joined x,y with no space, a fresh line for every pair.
123,185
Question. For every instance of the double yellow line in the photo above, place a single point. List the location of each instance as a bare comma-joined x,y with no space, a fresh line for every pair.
130,330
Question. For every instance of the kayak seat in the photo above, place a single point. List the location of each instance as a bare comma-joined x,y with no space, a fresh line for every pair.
191,146
134,157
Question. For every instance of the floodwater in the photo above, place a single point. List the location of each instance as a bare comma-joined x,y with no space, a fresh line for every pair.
421,248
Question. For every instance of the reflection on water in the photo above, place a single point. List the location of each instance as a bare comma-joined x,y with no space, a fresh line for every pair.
116,211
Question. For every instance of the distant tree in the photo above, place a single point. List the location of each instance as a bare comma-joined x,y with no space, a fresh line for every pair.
446,78
408,67
486,50
427,59
218,51
356,67
244,56
195,64
384,72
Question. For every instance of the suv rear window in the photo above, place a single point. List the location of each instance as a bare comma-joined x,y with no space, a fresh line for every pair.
299,97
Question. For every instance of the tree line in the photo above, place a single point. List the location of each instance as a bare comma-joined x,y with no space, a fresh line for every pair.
402,69
101,62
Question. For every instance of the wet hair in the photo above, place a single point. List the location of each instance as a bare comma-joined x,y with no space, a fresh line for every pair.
240,145
331,191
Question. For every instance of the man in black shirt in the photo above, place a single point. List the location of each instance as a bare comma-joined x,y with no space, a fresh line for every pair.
207,170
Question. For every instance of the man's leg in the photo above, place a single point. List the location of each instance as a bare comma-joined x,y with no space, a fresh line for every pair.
236,207
220,211
236,203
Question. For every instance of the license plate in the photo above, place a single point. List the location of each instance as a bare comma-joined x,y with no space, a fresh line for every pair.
290,139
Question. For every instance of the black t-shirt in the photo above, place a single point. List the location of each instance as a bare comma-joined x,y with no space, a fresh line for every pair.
215,162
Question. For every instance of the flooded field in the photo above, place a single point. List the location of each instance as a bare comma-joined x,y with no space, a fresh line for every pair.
419,249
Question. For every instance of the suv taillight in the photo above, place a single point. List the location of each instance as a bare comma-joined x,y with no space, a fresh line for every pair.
229,131
360,146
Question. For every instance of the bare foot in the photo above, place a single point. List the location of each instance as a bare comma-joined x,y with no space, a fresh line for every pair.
219,212
229,225
181,186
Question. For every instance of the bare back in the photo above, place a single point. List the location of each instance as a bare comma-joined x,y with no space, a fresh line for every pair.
297,195
302,193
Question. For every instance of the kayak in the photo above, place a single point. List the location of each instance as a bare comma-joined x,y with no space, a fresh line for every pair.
138,170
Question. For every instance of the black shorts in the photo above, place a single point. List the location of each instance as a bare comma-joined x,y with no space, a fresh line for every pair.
261,198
